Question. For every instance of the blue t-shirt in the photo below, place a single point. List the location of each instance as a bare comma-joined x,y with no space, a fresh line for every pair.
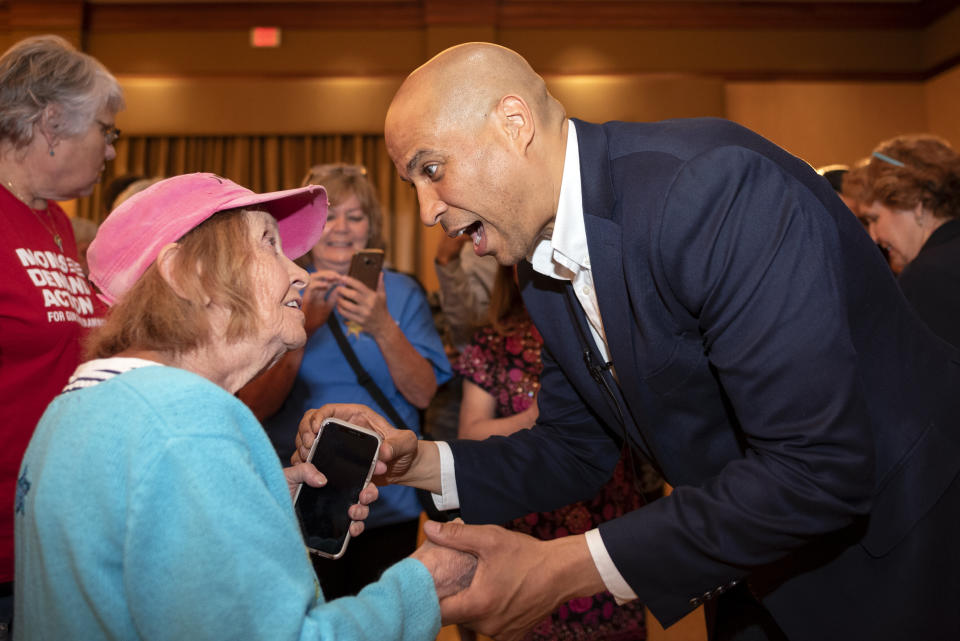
325,376
152,506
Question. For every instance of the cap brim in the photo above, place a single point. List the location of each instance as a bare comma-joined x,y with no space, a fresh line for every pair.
300,214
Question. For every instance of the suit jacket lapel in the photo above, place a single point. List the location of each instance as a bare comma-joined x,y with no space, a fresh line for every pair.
605,244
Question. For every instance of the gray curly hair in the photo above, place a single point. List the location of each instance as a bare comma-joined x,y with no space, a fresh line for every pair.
41,71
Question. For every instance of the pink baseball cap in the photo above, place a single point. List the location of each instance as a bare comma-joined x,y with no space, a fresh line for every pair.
131,237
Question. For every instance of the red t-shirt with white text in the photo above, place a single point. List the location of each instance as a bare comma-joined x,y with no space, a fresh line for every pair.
46,306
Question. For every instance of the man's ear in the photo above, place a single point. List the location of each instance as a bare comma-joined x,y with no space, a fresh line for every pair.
166,265
516,119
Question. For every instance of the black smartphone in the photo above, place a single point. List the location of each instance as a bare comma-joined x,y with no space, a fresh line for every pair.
366,265
346,454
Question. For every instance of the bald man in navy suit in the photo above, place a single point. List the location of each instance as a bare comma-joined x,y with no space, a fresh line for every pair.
707,299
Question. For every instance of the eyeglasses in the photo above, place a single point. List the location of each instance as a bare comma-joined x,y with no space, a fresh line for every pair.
110,133
333,168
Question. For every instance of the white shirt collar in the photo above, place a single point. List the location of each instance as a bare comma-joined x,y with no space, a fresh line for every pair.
565,253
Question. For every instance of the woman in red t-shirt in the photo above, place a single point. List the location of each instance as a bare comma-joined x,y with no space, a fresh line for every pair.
57,111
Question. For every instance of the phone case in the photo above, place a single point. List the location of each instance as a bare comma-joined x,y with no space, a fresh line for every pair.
365,266
373,464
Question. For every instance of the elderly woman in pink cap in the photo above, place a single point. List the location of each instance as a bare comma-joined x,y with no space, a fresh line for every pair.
150,503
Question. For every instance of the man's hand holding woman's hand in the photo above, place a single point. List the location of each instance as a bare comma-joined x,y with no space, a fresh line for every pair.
517,580
452,570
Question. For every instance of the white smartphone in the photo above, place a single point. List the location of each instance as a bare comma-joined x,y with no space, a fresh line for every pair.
346,454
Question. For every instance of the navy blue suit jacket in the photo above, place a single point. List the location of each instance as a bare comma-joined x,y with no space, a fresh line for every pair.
766,361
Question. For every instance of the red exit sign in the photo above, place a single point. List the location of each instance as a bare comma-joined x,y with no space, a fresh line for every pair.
265,37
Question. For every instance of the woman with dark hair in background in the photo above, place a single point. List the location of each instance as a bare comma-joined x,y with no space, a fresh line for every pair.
910,197
57,111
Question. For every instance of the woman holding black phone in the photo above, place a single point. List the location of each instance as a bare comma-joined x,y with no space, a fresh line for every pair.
387,332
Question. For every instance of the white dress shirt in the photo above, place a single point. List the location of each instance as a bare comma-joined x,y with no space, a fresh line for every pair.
563,256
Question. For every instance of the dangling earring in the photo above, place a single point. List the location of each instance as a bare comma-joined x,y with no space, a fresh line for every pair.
51,150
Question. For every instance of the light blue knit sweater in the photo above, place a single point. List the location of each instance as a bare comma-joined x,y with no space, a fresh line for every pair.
152,506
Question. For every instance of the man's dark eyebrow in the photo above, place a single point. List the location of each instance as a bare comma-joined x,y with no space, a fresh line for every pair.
413,162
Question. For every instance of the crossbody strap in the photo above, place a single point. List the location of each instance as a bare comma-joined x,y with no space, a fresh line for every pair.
364,378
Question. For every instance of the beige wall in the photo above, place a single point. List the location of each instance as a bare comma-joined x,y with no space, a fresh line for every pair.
264,105
716,50
604,97
826,123
840,122
823,122
942,101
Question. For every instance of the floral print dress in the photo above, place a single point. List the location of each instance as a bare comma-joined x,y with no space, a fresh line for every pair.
507,365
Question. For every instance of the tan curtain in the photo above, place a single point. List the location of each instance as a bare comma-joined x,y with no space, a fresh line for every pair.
270,163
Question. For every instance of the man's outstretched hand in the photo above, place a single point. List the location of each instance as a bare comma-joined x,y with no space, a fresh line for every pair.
403,459
519,580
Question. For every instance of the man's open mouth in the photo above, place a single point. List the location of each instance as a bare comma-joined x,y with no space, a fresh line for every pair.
475,230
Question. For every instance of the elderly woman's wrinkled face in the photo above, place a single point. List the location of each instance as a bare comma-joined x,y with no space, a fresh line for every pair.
347,231
276,287
896,230
79,160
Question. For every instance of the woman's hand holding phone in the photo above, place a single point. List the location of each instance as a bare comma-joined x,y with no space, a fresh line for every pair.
307,473
366,307
302,473
347,454
319,299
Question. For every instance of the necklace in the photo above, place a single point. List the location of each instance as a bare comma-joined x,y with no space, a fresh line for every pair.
51,228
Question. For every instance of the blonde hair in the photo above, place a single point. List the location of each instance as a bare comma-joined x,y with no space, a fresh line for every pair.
211,264
341,180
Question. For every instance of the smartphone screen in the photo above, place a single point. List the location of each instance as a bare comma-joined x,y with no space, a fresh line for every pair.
345,454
